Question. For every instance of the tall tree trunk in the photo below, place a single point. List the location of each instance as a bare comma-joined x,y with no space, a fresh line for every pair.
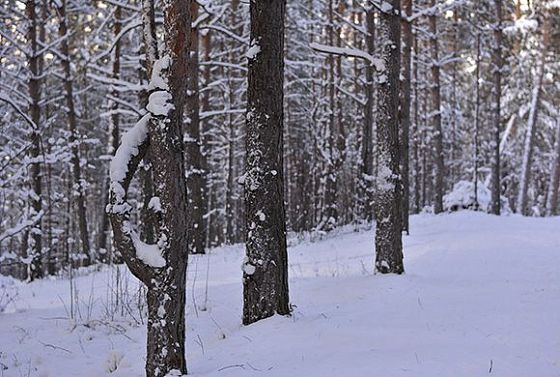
436,117
114,131
417,134
161,267
476,141
79,189
196,176
265,269
531,125
367,126
36,196
552,203
148,218
388,216
495,206
405,112
330,218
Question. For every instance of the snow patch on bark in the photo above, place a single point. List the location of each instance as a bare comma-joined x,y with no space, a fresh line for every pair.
158,79
160,103
253,50
149,254
128,149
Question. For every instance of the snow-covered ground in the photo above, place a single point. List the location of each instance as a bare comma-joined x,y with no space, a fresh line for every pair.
481,296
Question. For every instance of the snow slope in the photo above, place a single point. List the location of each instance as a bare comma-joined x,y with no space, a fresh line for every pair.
481,296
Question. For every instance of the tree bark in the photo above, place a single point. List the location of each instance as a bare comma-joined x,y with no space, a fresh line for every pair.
367,126
330,217
265,276
78,189
495,206
405,112
476,138
114,132
552,203
388,216
196,176
436,117
164,273
531,126
36,198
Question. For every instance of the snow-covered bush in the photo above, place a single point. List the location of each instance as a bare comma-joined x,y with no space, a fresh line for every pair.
462,197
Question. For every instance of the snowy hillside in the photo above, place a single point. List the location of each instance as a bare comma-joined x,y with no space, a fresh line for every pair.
481,296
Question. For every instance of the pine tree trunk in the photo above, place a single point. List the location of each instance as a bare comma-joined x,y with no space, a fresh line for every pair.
388,216
265,277
79,189
114,132
405,113
552,203
196,176
367,126
36,196
330,217
436,117
531,129
476,141
495,206
417,134
164,271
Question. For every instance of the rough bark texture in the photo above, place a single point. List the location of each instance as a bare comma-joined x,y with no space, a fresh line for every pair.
196,177
388,216
265,277
405,112
367,127
495,206
552,203
436,117
78,189
166,284
36,198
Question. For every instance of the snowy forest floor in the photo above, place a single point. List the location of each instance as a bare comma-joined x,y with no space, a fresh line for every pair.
481,296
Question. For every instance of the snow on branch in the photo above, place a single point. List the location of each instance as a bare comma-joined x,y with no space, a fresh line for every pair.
11,102
349,52
21,226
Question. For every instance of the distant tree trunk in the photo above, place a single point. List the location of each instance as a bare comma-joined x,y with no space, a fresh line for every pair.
476,141
417,134
161,267
265,269
114,131
148,218
532,125
196,176
330,218
367,126
36,196
552,203
79,189
495,206
436,116
230,234
405,112
388,216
